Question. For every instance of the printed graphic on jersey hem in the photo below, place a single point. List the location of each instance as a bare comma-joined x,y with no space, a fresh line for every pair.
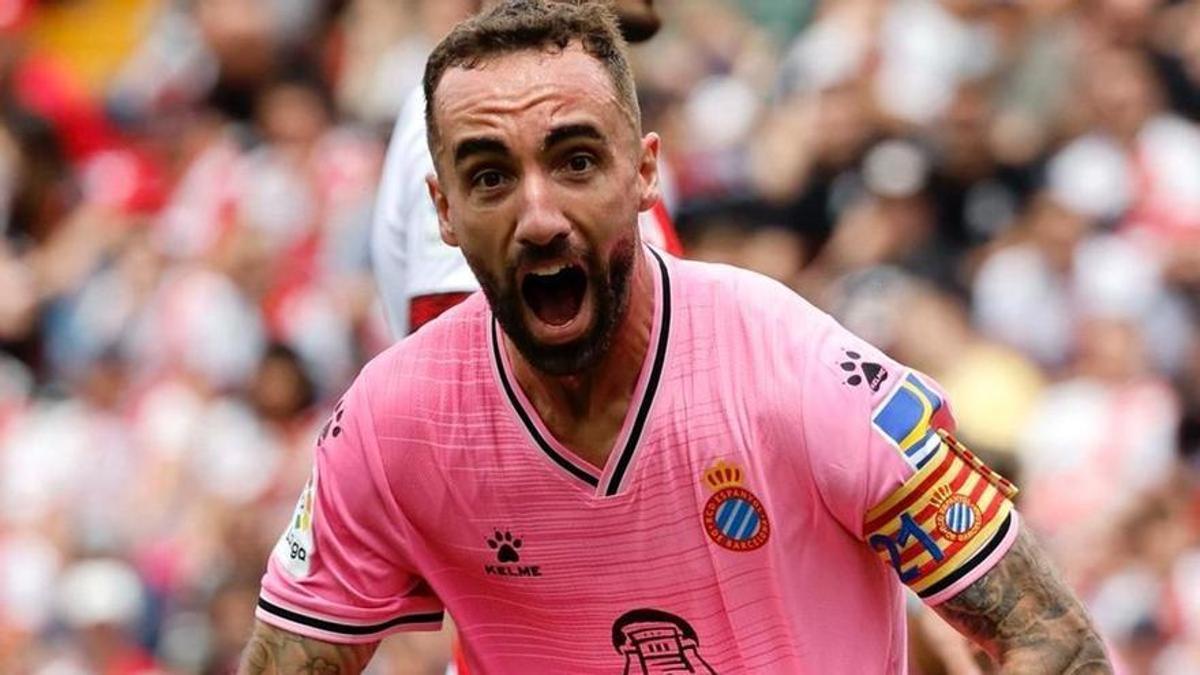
653,641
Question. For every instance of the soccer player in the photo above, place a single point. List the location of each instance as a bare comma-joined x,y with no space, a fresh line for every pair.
418,276
613,460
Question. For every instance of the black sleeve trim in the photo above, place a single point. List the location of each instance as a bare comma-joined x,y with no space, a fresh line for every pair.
348,629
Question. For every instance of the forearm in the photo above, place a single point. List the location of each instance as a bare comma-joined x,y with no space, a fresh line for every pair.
271,651
1026,618
1088,659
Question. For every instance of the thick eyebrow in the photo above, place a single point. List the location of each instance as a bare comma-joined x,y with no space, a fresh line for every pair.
478,146
569,132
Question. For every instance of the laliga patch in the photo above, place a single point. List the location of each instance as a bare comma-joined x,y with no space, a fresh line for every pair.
734,518
294,550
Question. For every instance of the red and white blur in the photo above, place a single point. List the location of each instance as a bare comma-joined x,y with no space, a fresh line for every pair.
1005,195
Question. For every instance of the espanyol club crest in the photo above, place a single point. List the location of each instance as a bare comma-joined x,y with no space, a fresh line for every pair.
957,518
733,517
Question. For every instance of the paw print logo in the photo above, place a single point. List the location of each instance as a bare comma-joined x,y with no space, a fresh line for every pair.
333,426
863,371
505,546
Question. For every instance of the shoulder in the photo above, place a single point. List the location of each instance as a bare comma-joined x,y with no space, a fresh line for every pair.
755,311
735,289
772,343
797,355
446,354
404,411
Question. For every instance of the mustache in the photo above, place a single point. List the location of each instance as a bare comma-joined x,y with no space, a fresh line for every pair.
555,250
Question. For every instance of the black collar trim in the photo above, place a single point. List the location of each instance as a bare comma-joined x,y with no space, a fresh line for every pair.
624,459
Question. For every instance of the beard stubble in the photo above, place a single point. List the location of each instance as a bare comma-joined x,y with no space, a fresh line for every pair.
608,281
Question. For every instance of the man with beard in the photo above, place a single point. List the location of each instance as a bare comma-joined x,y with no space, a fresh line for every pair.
617,460
417,275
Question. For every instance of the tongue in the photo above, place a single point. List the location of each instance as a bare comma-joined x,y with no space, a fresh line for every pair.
555,300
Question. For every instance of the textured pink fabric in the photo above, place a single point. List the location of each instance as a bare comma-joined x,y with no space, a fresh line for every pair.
436,487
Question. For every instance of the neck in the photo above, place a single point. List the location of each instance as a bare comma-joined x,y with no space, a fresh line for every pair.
571,405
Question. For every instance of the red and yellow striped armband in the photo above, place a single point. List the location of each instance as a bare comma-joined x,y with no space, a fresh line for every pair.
945,522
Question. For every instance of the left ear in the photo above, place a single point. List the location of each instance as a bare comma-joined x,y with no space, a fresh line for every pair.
442,206
648,171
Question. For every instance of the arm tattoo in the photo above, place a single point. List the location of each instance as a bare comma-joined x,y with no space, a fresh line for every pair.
275,652
1023,614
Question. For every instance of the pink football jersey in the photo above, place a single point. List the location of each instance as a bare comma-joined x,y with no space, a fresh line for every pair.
776,482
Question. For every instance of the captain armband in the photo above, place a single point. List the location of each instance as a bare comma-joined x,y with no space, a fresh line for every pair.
947,520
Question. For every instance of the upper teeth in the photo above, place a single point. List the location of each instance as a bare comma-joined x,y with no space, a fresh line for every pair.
549,270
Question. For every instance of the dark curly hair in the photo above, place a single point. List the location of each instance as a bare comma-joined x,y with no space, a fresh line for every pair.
533,25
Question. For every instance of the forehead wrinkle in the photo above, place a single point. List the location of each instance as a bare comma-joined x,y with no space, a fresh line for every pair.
494,109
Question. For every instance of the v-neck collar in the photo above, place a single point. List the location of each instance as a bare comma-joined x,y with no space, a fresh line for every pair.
610,481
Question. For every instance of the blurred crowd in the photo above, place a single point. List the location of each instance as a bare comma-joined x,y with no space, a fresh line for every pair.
1005,195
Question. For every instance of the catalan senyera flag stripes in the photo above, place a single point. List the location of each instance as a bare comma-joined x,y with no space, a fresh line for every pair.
946,519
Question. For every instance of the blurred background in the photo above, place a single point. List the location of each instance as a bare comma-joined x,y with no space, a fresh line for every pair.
1005,195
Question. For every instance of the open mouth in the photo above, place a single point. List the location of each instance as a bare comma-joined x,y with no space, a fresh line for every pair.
555,294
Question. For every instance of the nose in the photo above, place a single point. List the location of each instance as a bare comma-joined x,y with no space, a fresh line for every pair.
541,219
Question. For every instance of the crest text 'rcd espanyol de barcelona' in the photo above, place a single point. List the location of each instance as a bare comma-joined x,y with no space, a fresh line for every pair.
734,518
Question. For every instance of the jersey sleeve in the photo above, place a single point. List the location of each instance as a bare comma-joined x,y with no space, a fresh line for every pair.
339,573
879,440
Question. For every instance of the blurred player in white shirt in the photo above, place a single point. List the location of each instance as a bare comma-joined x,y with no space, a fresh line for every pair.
418,276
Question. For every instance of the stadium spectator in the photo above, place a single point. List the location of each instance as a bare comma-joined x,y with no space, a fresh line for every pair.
185,196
